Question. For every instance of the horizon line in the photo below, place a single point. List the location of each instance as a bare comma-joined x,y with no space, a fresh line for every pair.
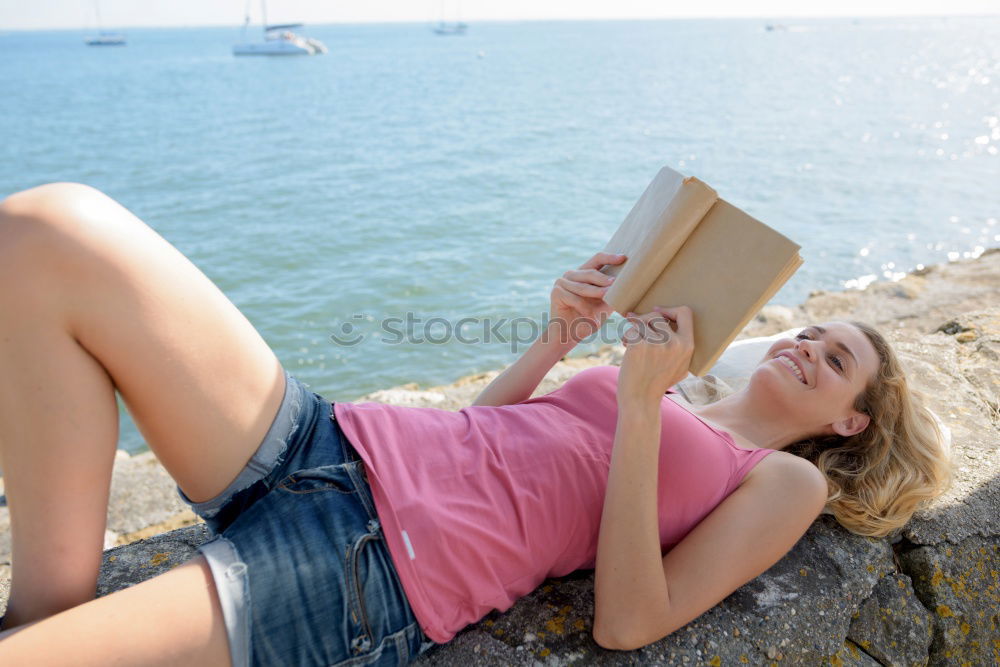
469,21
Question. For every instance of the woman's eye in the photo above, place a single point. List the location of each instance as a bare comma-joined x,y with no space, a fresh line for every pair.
834,359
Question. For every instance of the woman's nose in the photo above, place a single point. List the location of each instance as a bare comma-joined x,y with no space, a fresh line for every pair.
805,346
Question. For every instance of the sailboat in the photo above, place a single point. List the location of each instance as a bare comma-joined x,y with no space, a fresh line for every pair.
279,40
457,28
449,27
104,37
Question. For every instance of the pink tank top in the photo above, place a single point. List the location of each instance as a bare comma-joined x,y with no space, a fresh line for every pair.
481,505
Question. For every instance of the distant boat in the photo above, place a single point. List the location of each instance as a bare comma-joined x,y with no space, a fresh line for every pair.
104,37
443,28
455,27
279,40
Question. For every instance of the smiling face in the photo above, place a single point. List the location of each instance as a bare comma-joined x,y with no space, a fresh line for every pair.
818,375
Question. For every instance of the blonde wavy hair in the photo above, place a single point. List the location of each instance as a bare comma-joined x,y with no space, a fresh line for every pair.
880,477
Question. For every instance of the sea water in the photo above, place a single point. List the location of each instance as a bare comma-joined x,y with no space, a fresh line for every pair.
457,177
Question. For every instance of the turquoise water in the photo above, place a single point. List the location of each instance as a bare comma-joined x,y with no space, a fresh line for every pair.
457,177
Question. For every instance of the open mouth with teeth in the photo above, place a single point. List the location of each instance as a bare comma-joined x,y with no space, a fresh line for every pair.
792,366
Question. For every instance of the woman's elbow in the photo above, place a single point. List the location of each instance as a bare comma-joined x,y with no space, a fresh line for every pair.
624,639
606,640
601,637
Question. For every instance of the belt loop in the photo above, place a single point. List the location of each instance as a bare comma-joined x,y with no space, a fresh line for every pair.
359,476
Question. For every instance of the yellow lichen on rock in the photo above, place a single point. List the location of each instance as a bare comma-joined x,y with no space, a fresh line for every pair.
158,559
556,625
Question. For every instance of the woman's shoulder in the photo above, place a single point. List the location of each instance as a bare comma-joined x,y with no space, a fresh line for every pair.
596,373
779,467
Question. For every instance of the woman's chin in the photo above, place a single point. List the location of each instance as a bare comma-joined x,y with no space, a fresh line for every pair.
772,380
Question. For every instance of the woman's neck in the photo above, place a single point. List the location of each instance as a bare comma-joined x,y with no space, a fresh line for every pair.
754,421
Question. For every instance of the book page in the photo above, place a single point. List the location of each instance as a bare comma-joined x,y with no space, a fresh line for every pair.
652,232
726,271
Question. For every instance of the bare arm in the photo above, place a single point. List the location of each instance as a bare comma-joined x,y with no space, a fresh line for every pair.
518,380
577,309
629,582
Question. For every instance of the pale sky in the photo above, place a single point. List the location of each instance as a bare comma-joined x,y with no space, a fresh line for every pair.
28,14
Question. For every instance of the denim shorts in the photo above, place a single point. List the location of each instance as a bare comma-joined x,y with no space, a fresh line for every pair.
299,559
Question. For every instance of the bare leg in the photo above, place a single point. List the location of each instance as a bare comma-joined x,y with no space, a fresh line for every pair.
92,300
173,619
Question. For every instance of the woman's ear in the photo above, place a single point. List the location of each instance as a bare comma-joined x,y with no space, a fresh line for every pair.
852,425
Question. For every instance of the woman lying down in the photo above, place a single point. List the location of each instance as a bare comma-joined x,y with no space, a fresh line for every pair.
367,533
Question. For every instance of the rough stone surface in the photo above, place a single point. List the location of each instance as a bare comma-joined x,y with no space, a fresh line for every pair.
850,655
892,625
138,561
142,493
960,585
931,596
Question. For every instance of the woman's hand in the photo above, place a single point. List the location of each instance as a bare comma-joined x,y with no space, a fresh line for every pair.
658,352
576,303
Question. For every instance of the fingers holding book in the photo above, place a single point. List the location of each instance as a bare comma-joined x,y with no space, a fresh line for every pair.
659,348
577,298
602,259
588,281
658,325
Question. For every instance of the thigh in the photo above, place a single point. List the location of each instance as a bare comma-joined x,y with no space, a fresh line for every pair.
172,619
200,382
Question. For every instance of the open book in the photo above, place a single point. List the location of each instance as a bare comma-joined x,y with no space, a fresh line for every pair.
685,246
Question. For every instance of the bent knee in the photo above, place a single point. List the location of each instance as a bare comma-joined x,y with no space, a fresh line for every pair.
51,200
47,214
44,226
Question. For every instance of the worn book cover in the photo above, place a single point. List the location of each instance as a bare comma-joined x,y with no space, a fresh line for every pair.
687,247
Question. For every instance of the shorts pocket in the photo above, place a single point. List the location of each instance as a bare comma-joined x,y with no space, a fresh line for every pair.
358,576
313,480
